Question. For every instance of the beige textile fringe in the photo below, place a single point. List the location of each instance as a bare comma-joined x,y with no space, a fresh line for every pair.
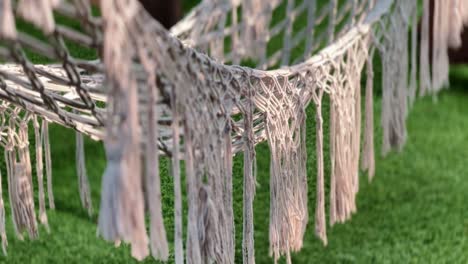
342,190
48,162
158,239
458,17
288,180
40,173
20,184
395,66
413,85
440,61
208,159
121,216
206,98
248,247
209,181
3,234
463,9
320,218
193,254
449,19
2,220
425,80
178,228
368,156
83,182
39,12
7,20
345,131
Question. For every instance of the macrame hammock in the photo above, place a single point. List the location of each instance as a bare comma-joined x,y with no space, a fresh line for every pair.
181,94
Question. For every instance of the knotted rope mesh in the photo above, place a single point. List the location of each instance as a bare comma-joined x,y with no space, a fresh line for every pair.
182,94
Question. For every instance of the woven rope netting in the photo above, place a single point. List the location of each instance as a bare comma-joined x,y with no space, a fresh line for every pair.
182,94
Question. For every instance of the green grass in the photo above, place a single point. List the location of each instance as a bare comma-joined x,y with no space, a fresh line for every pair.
415,210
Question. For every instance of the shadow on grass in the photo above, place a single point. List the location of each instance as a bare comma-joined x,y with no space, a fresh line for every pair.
459,78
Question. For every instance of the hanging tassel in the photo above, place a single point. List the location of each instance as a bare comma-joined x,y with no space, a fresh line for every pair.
425,55
456,23
48,162
248,248
24,154
120,49
368,156
23,176
208,156
7,21
207,226
288,180
20,183
26,218
333,199
463,8
2,220
414,56
178,229
83,182
395,66
356,130
320,222
229,232
121,215
345,131
193,243
440,62
40,174
158,240
108,222
9,162
39,13
424,64
342,189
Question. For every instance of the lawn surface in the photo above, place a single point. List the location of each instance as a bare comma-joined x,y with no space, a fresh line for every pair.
415,210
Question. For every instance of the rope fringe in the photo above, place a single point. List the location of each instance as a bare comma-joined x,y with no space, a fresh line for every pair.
7,21
425,57
288,180
20,184
83,182
158,240
121,216
368,156
40,173
320,222
2,220
39,12
178,229
48,162
248,248
165,94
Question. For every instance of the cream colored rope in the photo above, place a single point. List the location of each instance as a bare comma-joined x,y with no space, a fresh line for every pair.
161,95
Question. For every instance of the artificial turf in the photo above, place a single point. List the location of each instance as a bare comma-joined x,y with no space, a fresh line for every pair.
414,211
